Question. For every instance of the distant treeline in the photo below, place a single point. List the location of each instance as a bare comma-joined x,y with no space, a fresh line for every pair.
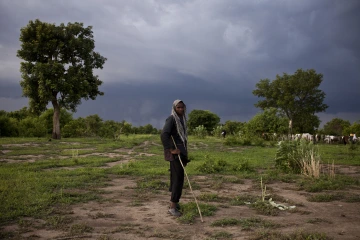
23,123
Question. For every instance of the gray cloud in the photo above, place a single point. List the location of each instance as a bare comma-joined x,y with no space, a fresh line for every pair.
209,53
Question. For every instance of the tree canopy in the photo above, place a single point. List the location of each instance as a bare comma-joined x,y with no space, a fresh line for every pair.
268,121
336,126
298,96
233,127
203,117
58,67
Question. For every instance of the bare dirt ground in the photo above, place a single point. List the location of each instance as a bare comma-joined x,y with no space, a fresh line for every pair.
125,213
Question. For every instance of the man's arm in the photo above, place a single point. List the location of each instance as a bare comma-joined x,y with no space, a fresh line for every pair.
166,136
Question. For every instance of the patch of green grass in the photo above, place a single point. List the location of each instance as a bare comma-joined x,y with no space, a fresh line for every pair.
327,183
28,191
212,197
246,223
325,197
272,175
243,166
212,166
344,155
339,196
190,212
217,181
194,184
151,184
256,222
226,222
142,166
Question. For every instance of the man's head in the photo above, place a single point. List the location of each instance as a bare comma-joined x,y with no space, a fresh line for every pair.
179,107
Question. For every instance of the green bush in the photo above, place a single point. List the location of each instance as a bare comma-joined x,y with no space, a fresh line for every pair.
8,127
200,131
291,154
75,128
32,127
217,132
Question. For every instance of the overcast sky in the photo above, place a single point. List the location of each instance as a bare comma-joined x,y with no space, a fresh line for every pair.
208,53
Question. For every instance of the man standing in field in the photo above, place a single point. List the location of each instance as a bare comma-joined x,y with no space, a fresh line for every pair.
174,140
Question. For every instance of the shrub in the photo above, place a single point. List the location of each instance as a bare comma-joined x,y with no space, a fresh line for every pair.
298,157
32,127
200,131
217,132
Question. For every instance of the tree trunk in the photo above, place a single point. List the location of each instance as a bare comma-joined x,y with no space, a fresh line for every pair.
290,129
56,120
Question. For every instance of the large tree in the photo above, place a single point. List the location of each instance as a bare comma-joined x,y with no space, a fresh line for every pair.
58,67
298,96
203,117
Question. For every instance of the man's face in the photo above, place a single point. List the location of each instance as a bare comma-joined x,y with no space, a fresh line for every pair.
180,109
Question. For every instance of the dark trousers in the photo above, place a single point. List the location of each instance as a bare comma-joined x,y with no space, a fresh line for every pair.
176,179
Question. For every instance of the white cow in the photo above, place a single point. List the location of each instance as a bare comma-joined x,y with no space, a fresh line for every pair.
331,139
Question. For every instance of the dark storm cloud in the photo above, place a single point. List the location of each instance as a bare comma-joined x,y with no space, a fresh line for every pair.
144,103
209,53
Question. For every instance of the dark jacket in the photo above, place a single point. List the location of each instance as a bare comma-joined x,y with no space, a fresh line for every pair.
169,130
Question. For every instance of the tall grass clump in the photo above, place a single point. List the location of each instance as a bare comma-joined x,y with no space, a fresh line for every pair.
298,157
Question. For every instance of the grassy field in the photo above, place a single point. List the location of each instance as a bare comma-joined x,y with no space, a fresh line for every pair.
39,177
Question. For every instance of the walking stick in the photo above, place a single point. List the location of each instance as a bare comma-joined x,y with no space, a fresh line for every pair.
188,181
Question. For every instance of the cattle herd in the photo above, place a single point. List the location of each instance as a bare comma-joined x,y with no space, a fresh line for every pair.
317,138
